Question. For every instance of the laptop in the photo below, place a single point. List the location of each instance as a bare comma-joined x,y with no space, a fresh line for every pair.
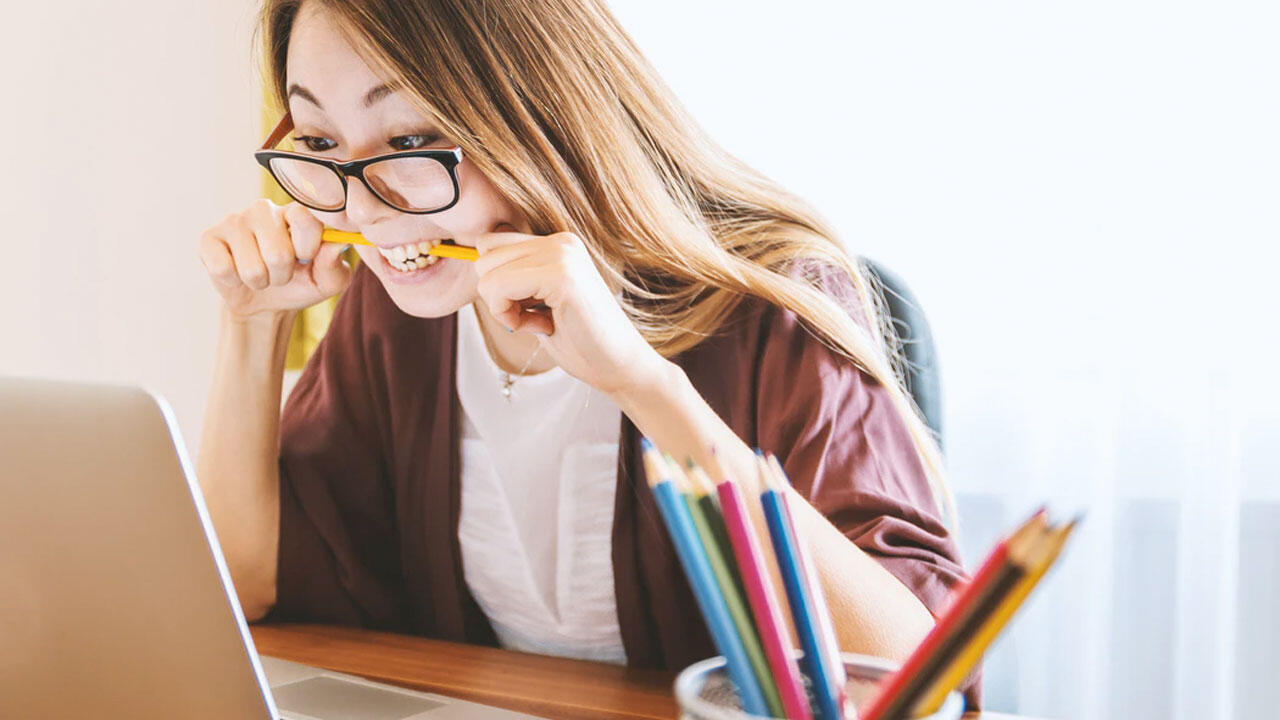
115,600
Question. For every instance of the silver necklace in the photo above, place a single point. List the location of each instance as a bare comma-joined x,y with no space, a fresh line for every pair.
508,379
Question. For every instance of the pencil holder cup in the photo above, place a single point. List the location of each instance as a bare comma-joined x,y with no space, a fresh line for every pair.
705,692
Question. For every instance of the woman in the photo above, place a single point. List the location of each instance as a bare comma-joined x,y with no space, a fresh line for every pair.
459,457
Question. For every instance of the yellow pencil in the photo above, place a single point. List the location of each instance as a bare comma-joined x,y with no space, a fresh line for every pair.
968,658
459,252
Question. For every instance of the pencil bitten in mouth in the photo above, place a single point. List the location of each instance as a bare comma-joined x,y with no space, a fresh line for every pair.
413,256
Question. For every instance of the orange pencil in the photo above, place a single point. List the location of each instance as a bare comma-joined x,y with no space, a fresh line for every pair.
458,252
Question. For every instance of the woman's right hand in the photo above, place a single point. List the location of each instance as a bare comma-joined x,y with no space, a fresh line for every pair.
269,259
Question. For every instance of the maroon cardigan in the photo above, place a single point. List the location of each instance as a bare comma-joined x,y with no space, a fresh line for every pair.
369,476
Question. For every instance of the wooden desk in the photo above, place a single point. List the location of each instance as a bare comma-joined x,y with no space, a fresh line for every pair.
537,684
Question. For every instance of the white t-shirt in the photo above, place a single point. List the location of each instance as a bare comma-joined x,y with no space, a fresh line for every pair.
539,471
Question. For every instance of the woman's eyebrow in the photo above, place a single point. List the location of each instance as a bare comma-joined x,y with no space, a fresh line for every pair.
371,97
305,94
377,94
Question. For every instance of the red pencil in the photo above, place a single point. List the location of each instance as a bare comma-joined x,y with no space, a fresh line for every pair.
962,606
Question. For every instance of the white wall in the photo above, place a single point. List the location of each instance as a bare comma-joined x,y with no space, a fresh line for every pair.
1079,170
127,128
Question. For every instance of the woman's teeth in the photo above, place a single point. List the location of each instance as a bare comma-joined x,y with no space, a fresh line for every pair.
413,256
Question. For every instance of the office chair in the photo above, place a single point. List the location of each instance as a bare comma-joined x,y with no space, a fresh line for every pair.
920,359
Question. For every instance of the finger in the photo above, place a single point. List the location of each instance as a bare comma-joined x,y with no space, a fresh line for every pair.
329,272
274,245
244,251
505,288
304,231
492,240
503,308
216,258
500,255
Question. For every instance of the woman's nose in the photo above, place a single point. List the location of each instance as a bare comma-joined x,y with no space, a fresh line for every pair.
363,207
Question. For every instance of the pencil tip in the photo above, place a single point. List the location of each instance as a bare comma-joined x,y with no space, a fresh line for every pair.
765,474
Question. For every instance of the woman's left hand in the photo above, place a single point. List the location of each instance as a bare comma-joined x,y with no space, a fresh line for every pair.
583,328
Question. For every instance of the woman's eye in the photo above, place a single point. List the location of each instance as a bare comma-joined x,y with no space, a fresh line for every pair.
412,142
315,144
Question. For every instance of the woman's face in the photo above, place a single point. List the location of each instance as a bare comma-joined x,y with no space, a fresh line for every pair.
339,113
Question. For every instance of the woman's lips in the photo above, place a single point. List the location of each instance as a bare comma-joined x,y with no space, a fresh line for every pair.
415,276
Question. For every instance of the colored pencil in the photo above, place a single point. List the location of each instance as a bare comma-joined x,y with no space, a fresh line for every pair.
763,598
707,520
1012,575
804,610
459,252
827,636
894,697
715,612
1044,556
703,490
998,576
713,531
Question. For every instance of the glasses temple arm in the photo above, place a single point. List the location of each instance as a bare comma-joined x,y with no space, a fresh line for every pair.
282,128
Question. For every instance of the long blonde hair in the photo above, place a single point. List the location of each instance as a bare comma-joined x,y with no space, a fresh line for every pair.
556,106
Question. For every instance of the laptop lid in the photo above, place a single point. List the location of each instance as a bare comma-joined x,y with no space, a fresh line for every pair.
114,596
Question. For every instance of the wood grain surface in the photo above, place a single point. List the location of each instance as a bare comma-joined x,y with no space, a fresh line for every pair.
537,684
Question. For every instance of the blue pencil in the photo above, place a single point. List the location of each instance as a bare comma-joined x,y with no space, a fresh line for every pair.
675,513
803,609
826,629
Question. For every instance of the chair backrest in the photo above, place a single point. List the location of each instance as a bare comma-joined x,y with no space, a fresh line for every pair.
919,356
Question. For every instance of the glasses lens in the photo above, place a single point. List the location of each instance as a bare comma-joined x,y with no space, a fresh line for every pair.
309,183
411,183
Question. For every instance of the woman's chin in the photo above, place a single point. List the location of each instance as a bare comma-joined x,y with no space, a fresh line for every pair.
430,296
426,309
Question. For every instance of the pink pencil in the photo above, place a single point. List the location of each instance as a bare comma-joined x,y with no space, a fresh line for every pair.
764,602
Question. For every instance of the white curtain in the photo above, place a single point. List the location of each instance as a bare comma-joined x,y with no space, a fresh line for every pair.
1086,198
1163,606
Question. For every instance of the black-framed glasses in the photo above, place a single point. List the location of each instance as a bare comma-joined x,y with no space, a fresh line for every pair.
411,181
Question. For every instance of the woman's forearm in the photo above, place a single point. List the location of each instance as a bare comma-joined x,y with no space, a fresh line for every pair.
873,612
239,447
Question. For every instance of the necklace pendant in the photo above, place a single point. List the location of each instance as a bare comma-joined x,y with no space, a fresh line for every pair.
506,386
